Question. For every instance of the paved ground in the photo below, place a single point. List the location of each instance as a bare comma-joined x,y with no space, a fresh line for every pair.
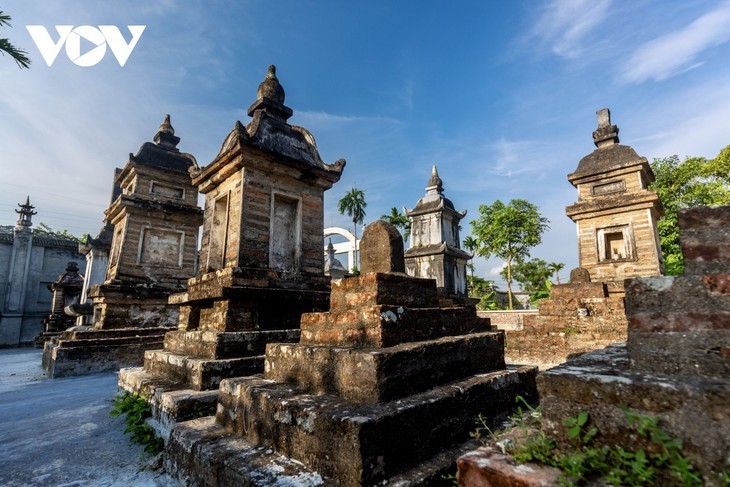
58,432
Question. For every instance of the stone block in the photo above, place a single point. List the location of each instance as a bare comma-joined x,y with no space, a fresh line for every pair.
200,374
384,326
381,249
379,375
579,290
705,239
680,326
201,453
486,467
224,345
381,288
362,444
600,382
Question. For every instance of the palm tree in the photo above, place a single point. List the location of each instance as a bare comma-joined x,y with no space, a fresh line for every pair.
555,268
19,56
353,205
471,244
399,220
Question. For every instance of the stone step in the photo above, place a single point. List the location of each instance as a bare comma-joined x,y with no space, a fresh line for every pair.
384,374
90,343
202,453
362,444
198,373
380,288
222,345
115,333
385,325
68,359
170,404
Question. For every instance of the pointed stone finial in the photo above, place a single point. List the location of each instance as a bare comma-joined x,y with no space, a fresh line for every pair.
165,136
606,134
167,126
25,215
270,97
435,184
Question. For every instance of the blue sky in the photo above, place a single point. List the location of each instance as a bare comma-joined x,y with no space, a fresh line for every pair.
500,95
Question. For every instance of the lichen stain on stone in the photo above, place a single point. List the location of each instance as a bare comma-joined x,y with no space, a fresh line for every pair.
389,316
657,283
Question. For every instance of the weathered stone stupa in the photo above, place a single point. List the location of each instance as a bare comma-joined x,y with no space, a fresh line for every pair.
261,263
383,388
153,253
435,249
615,213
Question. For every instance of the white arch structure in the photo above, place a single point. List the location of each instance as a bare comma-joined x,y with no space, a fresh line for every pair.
348,246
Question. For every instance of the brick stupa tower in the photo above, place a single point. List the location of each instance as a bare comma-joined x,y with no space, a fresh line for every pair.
261,262
153,252
616,214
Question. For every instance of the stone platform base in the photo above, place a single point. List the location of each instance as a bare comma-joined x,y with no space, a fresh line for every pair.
358,444
220,458
693,409
88,352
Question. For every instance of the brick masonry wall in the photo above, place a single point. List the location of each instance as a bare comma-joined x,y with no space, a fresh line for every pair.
558,332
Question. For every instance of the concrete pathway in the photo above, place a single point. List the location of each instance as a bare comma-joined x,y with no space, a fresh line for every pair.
58,432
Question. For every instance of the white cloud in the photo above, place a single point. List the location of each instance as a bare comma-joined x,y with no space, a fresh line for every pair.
676,52
567,25
494,271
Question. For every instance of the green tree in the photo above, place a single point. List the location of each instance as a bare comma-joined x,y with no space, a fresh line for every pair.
43,229
353,205
484,291
530,275
508,232
694,182
398,220
6,47
556,267
470,244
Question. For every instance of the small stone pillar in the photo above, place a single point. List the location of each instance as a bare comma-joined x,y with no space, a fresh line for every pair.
66,290
381,249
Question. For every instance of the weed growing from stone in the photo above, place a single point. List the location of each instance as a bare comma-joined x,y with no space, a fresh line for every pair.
137,409
661,463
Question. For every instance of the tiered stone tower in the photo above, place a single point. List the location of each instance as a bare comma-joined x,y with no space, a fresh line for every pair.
434,251
616,214
153,253
382,388
676,362
261,260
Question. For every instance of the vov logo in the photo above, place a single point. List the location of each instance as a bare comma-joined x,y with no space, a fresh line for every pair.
71,36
